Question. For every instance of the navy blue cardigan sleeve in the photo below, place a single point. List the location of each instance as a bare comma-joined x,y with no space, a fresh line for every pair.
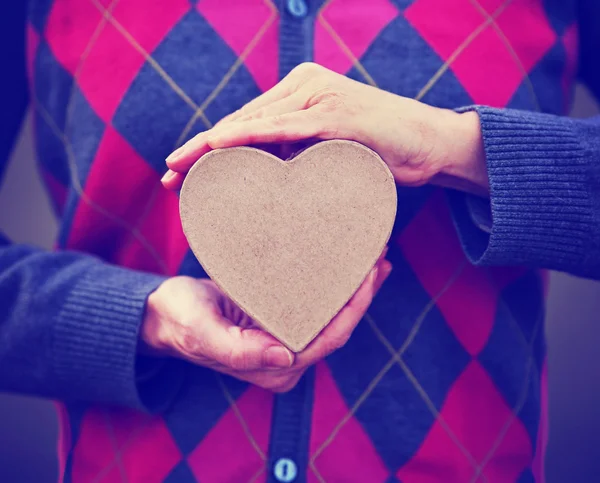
68,322
544,174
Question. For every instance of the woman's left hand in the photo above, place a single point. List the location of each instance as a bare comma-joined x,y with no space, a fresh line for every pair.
420,143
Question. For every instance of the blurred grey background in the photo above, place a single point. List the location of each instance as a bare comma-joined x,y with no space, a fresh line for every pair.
28,426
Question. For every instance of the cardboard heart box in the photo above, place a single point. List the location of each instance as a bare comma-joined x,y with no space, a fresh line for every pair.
289,241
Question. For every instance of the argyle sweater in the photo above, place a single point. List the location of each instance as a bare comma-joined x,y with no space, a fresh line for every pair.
445,378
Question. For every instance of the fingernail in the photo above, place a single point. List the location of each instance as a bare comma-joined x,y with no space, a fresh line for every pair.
374,273
168,176
278,357
175,155
387,269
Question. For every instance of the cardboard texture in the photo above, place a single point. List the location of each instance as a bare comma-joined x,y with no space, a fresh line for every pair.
289,241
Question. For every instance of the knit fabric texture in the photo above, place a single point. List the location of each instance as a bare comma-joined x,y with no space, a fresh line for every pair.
445,378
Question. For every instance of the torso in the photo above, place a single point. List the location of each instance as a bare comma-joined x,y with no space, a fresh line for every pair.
444,379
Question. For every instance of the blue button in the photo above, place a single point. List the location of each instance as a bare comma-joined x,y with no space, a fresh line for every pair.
297,8
285,470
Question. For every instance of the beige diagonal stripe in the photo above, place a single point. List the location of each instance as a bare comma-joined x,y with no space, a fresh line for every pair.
230,73
511,50
392,361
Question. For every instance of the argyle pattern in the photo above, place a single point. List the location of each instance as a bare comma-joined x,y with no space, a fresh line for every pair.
444,379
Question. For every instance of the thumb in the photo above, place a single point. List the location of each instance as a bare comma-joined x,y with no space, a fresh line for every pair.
242,349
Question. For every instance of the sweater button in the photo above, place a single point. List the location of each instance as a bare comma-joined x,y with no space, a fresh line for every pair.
285,470
297,8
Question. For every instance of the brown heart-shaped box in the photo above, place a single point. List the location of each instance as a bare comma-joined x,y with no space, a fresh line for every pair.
289,241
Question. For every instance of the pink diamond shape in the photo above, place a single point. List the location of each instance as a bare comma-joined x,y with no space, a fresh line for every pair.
149,21
69,29
125,204
152,454
486,68
351,445
431,246
226,453
161,228
94,450
238,22
526,26
111,57
477,415
356,23
147,450
444,24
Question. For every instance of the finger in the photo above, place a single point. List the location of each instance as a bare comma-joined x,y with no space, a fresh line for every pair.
210,338
276,93
286,128
245,349
291,103
172,180
338,331
184,158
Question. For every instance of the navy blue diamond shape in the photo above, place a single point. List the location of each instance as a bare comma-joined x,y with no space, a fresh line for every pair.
530,413
356,364
395,418
194,75
50,150
181,474
199,405
524,297
38,13
523,98
52,155
547,76
191,267
526,477
240,90
67,218
505,357
436,357
84,135
391,58
53,99
75,412
152,116
410,201
447,92
561,14
399,301
198,127
403,5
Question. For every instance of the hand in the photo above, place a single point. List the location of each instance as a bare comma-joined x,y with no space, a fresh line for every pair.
195,321
420,143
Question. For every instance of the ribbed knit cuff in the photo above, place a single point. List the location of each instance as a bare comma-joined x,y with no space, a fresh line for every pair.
539,193
95,341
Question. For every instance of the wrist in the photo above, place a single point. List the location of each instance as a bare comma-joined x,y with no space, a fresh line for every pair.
149,343
464,167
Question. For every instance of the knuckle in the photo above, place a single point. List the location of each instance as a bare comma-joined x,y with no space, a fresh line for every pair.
338,341
238,360
188,340
306,68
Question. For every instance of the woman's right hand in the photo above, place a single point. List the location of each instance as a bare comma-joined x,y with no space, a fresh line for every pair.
195,321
